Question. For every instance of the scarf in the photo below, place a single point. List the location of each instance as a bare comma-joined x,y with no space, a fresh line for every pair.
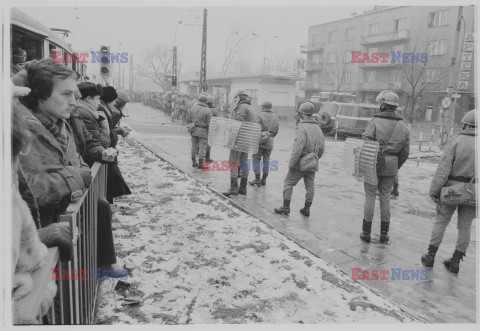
58,130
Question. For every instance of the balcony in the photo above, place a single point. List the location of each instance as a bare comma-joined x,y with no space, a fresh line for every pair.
313,47
314,67
379,86
385,37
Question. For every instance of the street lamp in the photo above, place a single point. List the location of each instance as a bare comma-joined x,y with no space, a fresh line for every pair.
175,42
264,47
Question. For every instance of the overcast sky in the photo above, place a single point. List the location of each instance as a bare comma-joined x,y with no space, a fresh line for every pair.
138,28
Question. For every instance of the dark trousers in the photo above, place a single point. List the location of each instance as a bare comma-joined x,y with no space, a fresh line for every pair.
105,247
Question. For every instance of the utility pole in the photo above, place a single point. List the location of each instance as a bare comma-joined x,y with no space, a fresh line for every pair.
174,68
448,118
203,63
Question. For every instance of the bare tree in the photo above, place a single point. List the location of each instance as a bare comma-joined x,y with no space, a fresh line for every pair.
285,63
236,41
419,77
157,65
335,74
242,65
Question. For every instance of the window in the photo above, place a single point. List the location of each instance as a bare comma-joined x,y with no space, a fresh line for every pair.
395,76
316,58
347,78
373,29
431,74
437,47
370,76
332,36
350,34
332,57
315,38
399,24
438,18
347,56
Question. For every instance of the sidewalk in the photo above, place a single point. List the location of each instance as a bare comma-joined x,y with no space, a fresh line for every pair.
196,258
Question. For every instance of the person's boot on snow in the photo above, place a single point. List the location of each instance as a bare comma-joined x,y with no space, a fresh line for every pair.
429,258
306,209
453,263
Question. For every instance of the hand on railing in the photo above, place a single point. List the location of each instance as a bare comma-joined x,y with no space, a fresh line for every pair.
57,234
109,154
86,176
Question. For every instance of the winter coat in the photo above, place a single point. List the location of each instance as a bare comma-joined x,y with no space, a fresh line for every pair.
113,117
52,174
90,118
28,254
458,160
397,148
90,149
244,112
307,133
200,114
269,122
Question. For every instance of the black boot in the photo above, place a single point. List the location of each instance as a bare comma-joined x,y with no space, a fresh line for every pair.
429,258
384,226
243,186
256,181
264,179
233,188
194,162
285,209
453,264
306,210
201,164
366,229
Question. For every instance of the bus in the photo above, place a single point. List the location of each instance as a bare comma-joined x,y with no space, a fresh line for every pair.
39,41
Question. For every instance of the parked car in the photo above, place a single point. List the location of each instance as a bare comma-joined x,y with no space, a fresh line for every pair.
352,118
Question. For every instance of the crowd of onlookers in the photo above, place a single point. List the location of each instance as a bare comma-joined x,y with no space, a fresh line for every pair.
60,128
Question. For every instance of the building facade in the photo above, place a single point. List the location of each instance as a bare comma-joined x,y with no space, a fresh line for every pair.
414,51
279,90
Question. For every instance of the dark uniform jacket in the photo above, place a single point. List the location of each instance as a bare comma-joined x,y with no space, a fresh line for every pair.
269,122
308,132
397,148
458,160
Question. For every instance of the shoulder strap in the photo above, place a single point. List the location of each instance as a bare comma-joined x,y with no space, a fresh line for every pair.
391,132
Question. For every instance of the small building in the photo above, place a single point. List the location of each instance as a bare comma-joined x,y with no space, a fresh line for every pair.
279,90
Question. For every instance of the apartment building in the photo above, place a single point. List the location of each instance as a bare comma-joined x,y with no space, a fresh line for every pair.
409,32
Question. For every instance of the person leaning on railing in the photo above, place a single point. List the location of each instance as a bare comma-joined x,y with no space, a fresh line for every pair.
116,185
53,169
92,151
28,252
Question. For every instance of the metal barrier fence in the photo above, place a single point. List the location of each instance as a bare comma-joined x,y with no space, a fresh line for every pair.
76,297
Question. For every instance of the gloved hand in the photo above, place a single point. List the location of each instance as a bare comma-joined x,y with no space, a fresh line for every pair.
58,235
109,154
86,176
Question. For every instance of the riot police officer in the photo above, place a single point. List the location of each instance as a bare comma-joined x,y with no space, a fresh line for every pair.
388,129
457,166
242,111
308,139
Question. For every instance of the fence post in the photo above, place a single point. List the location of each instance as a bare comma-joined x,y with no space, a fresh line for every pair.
431,140
419,148
336,130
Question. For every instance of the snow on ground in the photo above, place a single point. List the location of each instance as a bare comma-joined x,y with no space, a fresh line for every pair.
195,258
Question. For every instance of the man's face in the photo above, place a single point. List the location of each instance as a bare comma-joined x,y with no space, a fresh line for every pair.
24,56
62,101
94,102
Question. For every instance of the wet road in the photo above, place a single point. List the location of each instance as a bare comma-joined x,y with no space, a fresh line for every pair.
332,230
